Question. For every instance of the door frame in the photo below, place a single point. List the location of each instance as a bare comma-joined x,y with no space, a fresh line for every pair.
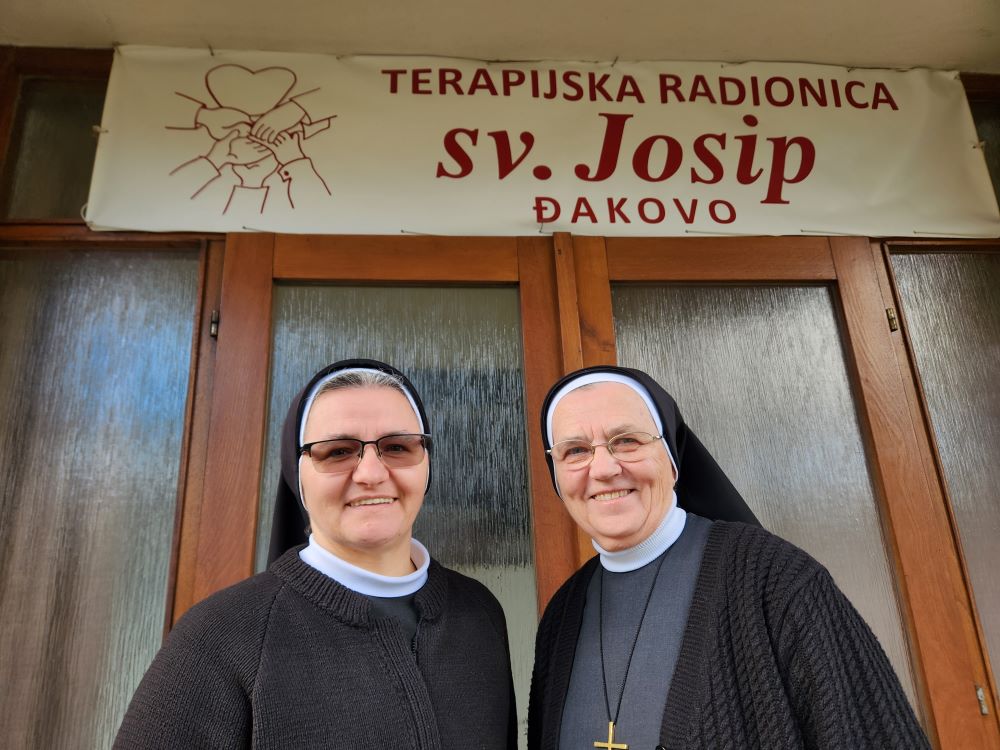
220,537
930,456
938,612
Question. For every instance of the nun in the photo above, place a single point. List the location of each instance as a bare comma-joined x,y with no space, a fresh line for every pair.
354,637
692,627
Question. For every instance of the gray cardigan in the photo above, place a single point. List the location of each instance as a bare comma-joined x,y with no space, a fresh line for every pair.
773,657
290,658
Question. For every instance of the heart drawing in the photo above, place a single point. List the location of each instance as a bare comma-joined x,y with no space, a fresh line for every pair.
252,91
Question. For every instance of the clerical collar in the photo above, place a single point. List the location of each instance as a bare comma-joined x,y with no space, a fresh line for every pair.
648,549
364,581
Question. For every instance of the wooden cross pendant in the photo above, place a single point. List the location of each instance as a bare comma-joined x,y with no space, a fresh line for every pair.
611,744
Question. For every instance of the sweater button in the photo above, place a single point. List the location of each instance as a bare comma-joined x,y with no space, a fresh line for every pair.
661,747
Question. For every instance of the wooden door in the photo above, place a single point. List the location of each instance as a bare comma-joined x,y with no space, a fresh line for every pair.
937,617
266,279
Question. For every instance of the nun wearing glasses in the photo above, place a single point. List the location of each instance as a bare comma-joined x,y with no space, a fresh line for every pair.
354,637
692,627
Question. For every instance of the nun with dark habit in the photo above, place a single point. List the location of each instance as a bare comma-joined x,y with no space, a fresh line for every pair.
692,627
354,637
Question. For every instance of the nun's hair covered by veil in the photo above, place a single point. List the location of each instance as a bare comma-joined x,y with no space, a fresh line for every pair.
288,528
702,486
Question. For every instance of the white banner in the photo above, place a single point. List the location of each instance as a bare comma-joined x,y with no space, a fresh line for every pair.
232,141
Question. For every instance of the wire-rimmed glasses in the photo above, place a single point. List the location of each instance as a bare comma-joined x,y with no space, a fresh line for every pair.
629,446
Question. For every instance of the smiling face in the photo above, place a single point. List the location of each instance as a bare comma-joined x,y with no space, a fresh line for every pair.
365,515
617,503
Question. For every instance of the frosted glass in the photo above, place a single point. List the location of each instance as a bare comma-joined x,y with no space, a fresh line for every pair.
94,358
759,375
461,348
52,151
951,302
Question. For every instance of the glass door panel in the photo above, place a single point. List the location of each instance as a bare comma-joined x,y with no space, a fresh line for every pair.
951,302
94,359
461,347
759,374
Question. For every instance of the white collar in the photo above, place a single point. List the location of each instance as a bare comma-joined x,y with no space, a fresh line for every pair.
364,581
648,549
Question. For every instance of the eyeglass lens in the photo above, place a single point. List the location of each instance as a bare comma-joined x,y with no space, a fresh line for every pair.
343,454
626,447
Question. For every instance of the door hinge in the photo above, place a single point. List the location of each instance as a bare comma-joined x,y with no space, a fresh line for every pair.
981,695
213,328
893,320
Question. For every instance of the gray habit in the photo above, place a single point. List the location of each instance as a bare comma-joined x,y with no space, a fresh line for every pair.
585,718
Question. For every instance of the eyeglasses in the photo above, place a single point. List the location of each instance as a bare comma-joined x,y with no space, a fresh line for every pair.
629,446
344,454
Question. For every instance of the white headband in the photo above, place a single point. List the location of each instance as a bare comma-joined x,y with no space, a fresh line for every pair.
316,388
610,377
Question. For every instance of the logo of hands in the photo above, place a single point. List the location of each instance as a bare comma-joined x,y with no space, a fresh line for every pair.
241,140
257,128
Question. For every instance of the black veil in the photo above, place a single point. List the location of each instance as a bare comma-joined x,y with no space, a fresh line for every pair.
702,486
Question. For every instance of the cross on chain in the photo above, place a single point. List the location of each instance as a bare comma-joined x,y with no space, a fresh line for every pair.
611,744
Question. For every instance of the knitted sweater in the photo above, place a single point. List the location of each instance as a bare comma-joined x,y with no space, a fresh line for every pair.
773,657
291,659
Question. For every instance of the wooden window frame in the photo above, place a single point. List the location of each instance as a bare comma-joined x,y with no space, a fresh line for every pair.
20,63
939,616
70,238
980,87
16,65
226,537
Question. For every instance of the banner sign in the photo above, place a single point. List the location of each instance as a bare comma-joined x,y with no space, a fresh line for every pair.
258,141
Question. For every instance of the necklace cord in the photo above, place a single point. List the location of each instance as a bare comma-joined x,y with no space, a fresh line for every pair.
635,641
